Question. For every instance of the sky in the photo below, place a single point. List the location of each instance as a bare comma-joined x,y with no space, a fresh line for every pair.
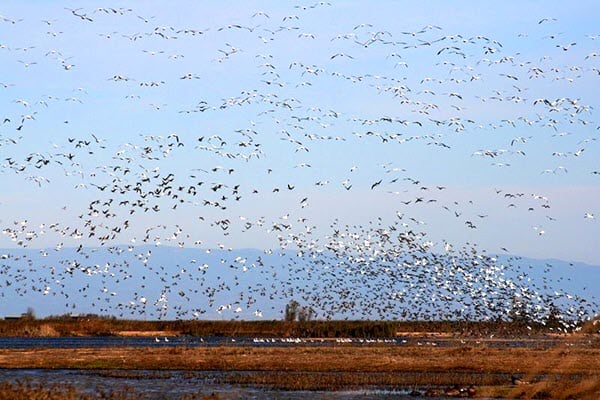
472,122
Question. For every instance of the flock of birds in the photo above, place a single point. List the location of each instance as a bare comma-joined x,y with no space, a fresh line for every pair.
262,162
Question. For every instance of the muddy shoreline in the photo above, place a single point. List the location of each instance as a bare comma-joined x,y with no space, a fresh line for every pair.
568,368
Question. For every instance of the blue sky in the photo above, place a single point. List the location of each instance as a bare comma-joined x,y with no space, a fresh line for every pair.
342,94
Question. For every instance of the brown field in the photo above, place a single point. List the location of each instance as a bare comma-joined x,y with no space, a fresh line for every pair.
568,370
565,366
347,358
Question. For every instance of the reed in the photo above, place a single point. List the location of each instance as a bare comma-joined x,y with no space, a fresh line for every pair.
334,381
29,390
565,368
97,326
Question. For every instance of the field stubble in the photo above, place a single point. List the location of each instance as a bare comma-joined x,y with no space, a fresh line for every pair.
570,369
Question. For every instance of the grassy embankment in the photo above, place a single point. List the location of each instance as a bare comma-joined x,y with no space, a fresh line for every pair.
327,329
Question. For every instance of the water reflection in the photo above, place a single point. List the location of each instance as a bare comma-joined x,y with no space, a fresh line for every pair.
195,341
172,385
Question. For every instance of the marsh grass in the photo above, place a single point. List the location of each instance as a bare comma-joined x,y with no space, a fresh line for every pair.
28,390
358,380
564,367
97,326
554,388
538,382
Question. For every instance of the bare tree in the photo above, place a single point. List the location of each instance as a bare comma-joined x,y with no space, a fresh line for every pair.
305,314
291,310
30,313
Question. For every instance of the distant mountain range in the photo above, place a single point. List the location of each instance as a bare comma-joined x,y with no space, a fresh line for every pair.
169,282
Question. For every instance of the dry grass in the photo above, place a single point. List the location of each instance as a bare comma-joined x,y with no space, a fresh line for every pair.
561,367
591,327
560,372
541,381
360,380
26,390
347,358
327,329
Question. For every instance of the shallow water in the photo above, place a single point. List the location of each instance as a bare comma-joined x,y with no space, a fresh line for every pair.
194,341
171,385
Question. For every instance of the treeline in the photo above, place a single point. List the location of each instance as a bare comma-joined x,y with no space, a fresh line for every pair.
105,326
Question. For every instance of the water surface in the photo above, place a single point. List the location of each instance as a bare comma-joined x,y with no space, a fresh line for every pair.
172,385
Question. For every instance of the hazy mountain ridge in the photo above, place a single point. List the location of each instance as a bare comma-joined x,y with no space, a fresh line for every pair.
150,281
